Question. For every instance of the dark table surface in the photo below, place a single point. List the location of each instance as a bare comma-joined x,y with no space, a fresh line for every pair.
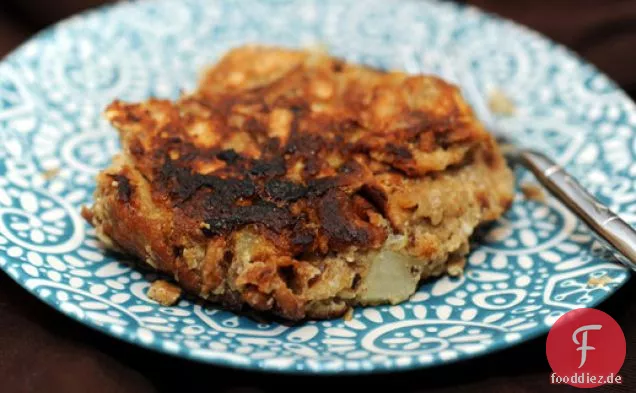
43,351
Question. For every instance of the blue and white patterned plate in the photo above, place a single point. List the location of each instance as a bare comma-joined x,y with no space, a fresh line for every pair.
534,265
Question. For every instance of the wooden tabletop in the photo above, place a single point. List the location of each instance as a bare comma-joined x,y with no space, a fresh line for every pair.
44,351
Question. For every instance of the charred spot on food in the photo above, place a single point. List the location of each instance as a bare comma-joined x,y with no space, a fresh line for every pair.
342,227
181,184
124,188
268,168
226,191
230,156
312,166
302,239
176,181
317,187
285,190
177,251
399,151
222,219
306,145
271,147
376,196
349,167
290,148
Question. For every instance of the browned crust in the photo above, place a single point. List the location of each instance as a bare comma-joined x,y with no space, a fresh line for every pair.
306,152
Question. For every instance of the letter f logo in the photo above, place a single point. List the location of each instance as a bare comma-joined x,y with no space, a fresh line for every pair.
583,344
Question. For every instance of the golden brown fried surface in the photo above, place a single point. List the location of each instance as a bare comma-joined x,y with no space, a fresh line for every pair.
295,183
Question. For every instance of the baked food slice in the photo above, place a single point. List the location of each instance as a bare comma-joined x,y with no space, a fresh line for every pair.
295,183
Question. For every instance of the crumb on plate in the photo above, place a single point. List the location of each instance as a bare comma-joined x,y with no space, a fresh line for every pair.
600,281
164,293
50,173
533,192
500,104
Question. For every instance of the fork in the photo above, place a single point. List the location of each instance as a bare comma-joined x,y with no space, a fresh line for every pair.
617,235
611,230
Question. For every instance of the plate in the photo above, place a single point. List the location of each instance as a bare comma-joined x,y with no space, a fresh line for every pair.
531,267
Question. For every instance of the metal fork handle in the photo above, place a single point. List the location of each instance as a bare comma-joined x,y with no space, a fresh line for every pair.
617,235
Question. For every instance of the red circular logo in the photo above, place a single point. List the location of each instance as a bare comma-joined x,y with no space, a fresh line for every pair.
586,349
